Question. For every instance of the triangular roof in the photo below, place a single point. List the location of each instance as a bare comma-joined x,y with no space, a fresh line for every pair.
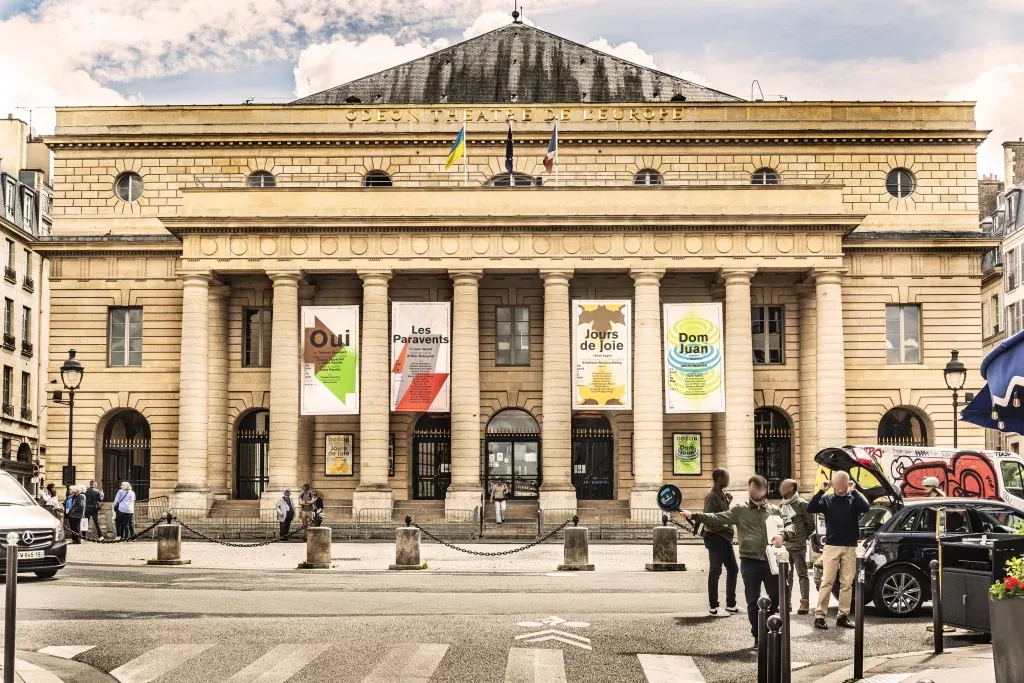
517,64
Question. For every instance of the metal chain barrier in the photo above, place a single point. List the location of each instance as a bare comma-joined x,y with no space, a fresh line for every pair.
688,526
229,544
85,536
499,553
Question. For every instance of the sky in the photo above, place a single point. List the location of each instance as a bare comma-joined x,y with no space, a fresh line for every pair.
98,52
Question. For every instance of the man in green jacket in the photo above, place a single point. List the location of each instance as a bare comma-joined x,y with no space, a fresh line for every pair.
794,508
749,520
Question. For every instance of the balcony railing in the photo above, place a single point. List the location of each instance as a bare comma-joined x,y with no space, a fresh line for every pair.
28,283
9,341
566,178
26,414
9,409
26,348
10,275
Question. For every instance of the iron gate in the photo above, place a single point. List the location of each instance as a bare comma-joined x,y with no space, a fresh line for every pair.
431,463
593,458
252,458
773,458
126,460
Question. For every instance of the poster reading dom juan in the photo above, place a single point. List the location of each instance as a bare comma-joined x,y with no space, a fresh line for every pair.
694,360
601,355
420,357
330,360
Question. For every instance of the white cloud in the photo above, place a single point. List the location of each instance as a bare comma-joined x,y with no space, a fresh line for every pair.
488,21
324,65
999,92
632,52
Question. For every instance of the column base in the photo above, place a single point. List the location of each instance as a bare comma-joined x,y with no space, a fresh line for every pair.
462,498
379,496
558,497
642,499
190,499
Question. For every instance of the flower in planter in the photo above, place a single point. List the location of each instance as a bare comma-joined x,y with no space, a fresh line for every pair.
1013,584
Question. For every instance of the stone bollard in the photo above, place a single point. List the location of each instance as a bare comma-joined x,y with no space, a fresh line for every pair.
318,548
576,549
168,546
407,547
666,549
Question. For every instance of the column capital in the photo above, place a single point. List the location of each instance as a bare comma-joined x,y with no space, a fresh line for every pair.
195,278
285,276
556,275
375,277
647,275
465,277
737,276
827,276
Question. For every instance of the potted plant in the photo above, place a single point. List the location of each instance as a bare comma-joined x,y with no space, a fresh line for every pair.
1006,613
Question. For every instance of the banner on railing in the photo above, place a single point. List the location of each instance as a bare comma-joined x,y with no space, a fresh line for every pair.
330,360
694,358
602,354
420,356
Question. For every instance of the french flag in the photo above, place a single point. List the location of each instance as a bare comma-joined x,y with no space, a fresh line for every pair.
552,153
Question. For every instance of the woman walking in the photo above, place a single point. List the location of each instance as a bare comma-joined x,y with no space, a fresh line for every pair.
124,510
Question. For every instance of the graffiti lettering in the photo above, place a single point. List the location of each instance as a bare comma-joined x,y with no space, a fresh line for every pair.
969,475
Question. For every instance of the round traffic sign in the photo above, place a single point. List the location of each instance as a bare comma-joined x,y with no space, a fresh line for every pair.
669,498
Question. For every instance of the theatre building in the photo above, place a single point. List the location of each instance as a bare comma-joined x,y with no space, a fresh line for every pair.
265,295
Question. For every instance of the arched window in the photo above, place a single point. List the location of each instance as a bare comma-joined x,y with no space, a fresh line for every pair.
764,176
514,180
126,442
128,186
377,179
902,427
352,99
24,452
648,176
261,179
678,98
252,455
513,421
900,183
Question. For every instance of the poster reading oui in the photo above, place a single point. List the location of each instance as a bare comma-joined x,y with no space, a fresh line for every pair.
420,357
694,359
602,355
330,360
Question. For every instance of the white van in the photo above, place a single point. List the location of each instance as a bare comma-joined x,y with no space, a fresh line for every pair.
996,475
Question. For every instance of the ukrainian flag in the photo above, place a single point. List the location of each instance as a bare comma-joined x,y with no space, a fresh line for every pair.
458,149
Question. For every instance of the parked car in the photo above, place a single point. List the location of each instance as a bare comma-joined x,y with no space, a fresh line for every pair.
42,547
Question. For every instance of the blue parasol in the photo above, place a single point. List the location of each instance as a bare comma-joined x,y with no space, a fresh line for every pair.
998,404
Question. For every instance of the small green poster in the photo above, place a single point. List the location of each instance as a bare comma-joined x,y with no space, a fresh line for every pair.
686,453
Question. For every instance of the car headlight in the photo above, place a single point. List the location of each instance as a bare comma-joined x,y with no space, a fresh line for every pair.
59,536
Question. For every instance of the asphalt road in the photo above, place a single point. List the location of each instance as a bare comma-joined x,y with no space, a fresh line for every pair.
185,624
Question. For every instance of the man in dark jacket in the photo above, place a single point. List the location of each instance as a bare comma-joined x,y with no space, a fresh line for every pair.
75,513
93,498
842,511
718,541
750,522
795,508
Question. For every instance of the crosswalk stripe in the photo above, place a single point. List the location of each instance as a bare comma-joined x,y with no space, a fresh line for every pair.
30,673
65,651
155,663
278,665
408,663
670,669
535,666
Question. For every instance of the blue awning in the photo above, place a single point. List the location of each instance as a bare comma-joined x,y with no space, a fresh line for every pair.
999,404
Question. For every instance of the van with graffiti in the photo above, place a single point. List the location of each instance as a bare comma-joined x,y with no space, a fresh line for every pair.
995,475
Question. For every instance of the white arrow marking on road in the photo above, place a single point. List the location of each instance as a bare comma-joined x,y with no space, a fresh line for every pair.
575,643
535,666
670,669
65,651
155,663
278,665
552,632
408,663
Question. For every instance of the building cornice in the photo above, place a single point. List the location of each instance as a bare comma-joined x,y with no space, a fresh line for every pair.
916,240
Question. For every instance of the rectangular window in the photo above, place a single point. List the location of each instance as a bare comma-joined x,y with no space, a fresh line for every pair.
9,317
10,254
512,335
28,263
257,325
9,199
8,381
902,333
26,392
26,323
1011,273
125,336
6,449
994,310
1010,317
767,325
28,213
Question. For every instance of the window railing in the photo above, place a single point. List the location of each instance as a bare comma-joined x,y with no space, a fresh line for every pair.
26,347
9,409
10,275
9,341
29,284
26,413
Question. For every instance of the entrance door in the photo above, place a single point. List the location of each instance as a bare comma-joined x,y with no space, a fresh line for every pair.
431,457
252,455
593,457
773,448
513,453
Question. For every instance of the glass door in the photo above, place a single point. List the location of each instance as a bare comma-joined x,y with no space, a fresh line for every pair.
517,463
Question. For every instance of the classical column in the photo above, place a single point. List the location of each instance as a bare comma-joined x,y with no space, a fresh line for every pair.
284,386
739,379
192,489
307,423
557,491
648,396
374,396
219,430
830,359
464,492
807,428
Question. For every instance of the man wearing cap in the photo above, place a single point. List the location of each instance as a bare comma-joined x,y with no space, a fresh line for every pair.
285,513
931,488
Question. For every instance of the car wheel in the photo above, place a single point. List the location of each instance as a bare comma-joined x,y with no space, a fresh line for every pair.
899,592
46,573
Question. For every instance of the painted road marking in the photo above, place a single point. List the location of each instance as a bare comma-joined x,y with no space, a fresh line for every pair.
30,673
408,663
670,669
278,665
155,663
66,651
888,678
535,666
560,636
796,666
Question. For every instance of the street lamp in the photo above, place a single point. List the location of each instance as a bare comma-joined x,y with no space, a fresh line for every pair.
955,375
71,375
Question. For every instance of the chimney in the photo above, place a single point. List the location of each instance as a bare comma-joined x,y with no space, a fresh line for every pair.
1013,157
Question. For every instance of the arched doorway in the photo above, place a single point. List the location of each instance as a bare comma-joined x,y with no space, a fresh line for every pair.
431,457
126,444
252,455
773,448
513,452
593,457
902,427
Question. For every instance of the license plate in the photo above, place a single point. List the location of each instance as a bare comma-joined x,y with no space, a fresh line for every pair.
30,555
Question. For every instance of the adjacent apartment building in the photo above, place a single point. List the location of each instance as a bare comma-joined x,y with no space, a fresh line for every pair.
25,167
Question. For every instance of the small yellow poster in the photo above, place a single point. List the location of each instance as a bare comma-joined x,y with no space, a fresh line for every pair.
602,353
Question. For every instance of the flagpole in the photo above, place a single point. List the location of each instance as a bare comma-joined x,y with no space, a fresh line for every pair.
465,154
558,143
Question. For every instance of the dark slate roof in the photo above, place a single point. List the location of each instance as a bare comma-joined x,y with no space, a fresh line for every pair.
516,64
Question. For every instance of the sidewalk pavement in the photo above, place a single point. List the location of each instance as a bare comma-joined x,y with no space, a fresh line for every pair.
955,665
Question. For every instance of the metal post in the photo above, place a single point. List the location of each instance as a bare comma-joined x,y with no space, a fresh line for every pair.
956,399
10,608
774,648
784,610
936,607
483,511
858,619
763,605
71,427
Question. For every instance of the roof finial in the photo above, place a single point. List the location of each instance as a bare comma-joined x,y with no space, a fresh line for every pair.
515,12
